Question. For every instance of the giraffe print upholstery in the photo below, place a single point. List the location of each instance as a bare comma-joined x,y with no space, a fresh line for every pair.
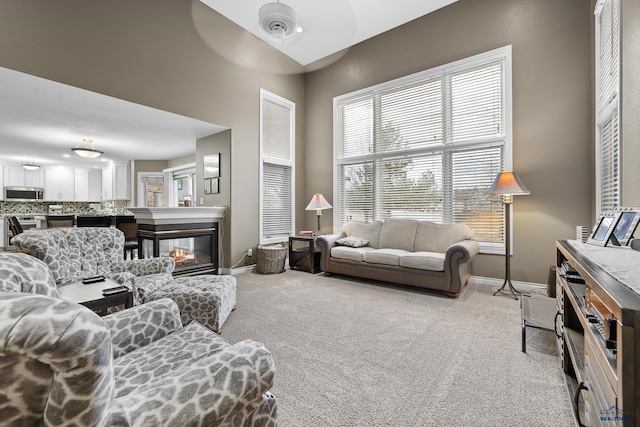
61,364
206,299
75,253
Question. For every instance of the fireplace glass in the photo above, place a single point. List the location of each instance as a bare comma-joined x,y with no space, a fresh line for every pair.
193,250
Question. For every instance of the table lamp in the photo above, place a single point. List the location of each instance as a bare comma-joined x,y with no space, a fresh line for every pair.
318,202
507,184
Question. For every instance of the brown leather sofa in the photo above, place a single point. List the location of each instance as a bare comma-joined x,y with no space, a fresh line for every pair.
407,252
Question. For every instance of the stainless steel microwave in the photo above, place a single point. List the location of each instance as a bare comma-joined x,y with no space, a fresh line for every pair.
23,194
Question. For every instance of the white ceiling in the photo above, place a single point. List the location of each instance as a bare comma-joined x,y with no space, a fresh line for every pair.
329,25
41,120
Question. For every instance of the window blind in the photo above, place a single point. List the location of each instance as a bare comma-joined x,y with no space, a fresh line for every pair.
607,17
277,168
427,146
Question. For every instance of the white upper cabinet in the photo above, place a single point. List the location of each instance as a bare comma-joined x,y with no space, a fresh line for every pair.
17,176
59,185
88,185
116,181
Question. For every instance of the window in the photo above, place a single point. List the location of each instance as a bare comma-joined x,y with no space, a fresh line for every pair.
180,185
428,146
277,130
607,16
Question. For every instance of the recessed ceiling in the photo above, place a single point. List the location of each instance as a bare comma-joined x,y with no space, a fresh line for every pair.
329,26
41,120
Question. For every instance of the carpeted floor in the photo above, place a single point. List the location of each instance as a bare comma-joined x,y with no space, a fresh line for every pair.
352,353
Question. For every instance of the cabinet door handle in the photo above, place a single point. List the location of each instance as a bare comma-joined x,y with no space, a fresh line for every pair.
576,411
555,324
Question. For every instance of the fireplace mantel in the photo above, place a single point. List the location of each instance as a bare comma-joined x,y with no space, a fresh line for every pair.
181,215
188,235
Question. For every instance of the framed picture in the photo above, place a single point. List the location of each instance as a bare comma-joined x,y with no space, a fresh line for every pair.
212,166
211,186
603,228
626,226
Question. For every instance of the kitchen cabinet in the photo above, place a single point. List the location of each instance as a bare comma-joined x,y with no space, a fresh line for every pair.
17,176
116,181
88,185
59,185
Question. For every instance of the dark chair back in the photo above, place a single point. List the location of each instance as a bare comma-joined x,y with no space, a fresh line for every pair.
93,221
60,220
14,226
130,230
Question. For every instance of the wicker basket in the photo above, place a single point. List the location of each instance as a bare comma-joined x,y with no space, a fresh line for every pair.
271,258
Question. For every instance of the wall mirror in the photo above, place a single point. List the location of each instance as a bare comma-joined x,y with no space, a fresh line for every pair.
211,173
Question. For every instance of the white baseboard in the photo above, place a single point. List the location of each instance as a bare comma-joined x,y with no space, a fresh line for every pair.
493,282
238,270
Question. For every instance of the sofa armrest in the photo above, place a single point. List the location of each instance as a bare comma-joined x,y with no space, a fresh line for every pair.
142,267
228,381
326,242
456,263
466,249
138,326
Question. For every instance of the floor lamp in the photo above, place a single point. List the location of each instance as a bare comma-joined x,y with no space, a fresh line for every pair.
507,184
317,203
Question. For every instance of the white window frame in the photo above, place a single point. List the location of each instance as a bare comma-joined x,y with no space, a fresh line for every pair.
287,162
607,112
506,140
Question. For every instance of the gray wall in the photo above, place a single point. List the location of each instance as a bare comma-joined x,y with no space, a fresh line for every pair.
553,138
150,52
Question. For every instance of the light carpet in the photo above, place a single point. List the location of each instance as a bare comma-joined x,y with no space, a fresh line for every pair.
355,353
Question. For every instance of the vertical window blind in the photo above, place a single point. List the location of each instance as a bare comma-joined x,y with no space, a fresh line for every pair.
427,146
607,16
277,168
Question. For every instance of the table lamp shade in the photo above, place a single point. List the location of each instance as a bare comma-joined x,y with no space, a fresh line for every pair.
318,202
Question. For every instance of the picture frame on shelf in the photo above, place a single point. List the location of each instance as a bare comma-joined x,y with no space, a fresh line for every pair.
626,225
603,228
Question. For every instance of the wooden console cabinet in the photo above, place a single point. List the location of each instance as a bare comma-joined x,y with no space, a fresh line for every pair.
598,328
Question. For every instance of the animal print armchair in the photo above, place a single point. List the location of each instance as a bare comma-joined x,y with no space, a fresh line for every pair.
75,253
61,364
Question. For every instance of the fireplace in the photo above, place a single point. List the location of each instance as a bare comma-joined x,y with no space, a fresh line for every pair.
188,235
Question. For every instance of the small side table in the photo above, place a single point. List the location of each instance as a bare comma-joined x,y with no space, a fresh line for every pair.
537,311
91,295
303,254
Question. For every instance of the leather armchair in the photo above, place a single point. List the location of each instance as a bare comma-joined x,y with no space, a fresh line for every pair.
61,364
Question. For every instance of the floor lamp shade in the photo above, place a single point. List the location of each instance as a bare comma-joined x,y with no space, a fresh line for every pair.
507,184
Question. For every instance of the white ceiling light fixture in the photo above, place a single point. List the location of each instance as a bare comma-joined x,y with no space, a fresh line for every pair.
87,150
30,166
278,20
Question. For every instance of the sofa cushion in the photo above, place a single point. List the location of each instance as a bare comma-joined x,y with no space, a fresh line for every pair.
432,237
352,254
352,241
385,256
398,234
365,230
432,261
